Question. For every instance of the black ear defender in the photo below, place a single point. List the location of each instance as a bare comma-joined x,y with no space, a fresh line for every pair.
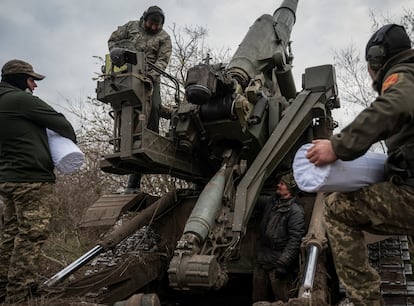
376,54
386,42
376,57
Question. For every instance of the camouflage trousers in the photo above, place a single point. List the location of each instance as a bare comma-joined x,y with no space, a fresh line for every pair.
26,227
383,208
154,114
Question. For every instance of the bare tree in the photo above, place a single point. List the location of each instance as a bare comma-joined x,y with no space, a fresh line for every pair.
189,49
78,191
353,79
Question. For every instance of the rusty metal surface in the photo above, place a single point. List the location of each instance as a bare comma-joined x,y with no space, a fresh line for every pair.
107,209
140,300
118,282
391,258
135,262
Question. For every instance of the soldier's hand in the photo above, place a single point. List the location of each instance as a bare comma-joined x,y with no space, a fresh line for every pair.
166,112
321,153
280,271
154,76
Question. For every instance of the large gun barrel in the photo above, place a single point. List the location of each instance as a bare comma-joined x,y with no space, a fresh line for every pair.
265,44
115,237
74,266
285,17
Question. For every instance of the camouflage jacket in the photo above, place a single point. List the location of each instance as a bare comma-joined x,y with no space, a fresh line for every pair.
390,117
132,35
24,147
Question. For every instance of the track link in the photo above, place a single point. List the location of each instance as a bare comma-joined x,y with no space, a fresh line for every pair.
391,258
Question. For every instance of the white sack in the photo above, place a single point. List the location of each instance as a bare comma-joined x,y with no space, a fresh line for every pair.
66,155
343,176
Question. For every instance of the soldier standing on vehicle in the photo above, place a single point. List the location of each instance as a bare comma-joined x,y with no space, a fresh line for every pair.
146,35
26,178
281,230
384,208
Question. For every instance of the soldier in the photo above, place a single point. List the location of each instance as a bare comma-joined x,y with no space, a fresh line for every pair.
383,208
26,178
146,35
281,230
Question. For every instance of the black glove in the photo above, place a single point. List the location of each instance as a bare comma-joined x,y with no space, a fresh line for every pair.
280,271
117,56
166,112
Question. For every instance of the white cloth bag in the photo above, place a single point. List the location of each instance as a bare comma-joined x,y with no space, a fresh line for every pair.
66,155
342,176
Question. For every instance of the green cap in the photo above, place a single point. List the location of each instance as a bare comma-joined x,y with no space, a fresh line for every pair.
18,66
290,182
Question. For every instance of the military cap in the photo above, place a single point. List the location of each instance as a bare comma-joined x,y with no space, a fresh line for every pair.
290,182
19,66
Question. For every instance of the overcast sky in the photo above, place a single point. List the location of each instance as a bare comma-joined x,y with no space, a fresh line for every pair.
60,38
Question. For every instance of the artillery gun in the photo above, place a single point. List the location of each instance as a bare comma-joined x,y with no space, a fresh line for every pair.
234,134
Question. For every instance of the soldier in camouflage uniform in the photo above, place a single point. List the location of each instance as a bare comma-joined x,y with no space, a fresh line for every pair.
26,178
384,208
147,35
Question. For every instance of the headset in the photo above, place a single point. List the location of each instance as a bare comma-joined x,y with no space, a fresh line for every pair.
153,9
377,54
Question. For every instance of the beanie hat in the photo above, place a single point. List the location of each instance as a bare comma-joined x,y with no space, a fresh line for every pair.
290,182
392,37
154,13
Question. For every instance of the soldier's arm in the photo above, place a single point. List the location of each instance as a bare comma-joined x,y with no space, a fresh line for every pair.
296,230
119,34
44,115
382,119
164,53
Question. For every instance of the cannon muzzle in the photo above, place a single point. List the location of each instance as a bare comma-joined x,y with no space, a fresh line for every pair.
265,45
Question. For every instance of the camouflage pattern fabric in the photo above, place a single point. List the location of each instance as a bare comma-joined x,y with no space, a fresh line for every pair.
157,48
387,118
132,35
154,115
26,227
383,208
290,182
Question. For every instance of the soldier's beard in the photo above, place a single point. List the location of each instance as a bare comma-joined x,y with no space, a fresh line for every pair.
152,32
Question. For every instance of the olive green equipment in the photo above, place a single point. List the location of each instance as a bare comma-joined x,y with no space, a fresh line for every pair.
231,136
